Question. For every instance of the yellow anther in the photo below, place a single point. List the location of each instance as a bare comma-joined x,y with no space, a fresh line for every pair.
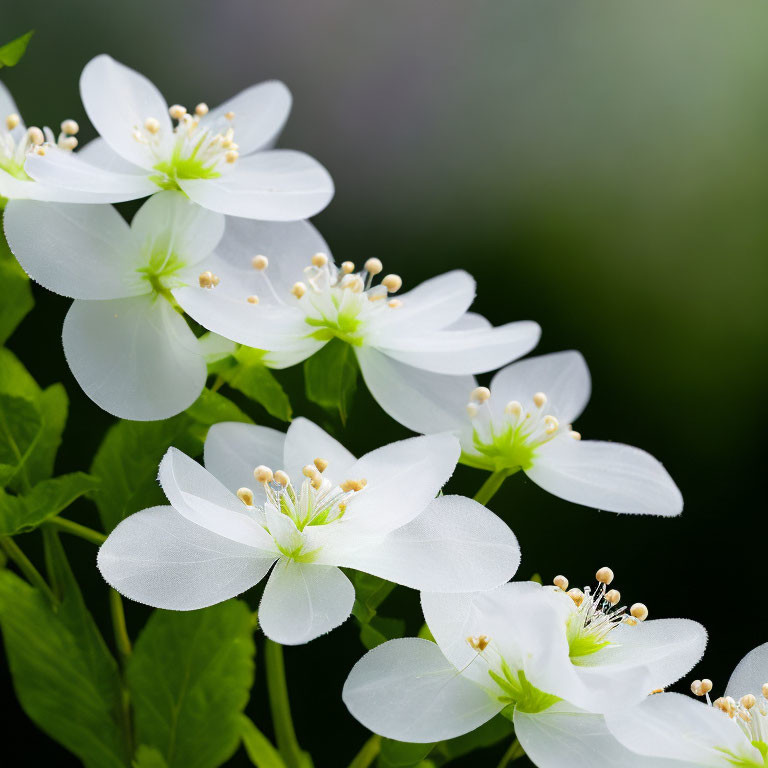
260,262
696,688
152,125
765,690
319,260
394,303
706,686
201,110
657,690
70,127
479,643
353,283
639,611
246,496
613,596
40,151
321,464
253,299
373,266
472,410
561,582
309,470
392,283
282,478
298,290
68,143
539,399
353,485
230,115
12,121
347,267
480,394
629,621
575,435
206,279
513,408
263,474
720,703
317,481
604,575
576,595
748,701
35,135
231,155
216,279
552,425
177,112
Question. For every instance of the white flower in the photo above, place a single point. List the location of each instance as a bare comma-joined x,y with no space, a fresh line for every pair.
529,652
732,731
322,510
220,158
524,421
280,291
129,348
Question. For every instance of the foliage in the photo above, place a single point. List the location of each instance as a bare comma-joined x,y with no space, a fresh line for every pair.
11,53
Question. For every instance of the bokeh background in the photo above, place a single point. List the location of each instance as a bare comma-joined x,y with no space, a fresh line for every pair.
599,167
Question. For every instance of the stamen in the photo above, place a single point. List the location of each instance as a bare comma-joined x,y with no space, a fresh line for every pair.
613,596
605,575
394,303
561,582
321,464
373,266
765,690
309,470
282,478
748,701
480,395
514,408
246,496
575,435
201,110
392,283
539,399
177,112
68,143
263,474
152,125
70,127
479,643
319,260
298,290
231,156
347,267
208,280
230,116
576,595
552,425
472,410
35,135
253,299
639,611
260,262
12,121
353,485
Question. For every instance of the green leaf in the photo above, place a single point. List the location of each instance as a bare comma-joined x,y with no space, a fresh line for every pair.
21,424
488,734
17,293
65,679
425,633
330,377
258,746
148,757
10,53
401,754
22,513
379,630
251,377
189,678
370,593
127,460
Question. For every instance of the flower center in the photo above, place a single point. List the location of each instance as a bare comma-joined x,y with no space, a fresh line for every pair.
158,269
13,152
190,151
510,439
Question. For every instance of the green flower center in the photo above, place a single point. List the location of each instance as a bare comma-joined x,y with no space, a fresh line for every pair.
158,270
518,693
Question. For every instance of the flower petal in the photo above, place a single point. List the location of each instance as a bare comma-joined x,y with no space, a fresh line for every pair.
233,450
97,152
454,545
303,601
420,400
305,442
197,495
402,479
608,476
159,558
135,358
8,107
565,735
407,690
118,100
77,181
278,185
670,725
463,352
260,114
470,321
170,223
562,376
750,675
82,251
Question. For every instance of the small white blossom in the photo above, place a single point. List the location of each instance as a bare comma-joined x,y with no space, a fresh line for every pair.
298,506
221,158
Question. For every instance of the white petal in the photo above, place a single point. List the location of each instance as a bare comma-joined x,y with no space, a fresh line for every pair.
750,675
263,326
454,545
279,185
402,479
8,107
82,251
564,735
670,725
303,601
433,305
197,495
407,690
422,401
159,558
118,100
233,450
608,476
97,152
260,114
666,648
470,321
135,358
463,352
171,223
81,182
305,442
562,376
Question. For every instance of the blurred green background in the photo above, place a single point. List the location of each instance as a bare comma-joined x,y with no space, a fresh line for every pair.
599,167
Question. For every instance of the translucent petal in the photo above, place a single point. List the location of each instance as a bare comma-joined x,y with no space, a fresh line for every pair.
750,675
8,107
305,442
97,152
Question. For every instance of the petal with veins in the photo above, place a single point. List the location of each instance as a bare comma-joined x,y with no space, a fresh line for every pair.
305,442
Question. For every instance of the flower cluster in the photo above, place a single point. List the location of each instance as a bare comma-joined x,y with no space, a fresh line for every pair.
220,259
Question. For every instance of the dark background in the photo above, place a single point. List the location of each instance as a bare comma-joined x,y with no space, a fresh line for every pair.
598,167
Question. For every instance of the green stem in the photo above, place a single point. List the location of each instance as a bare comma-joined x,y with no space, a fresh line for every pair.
122,640
69,526
24,564
368,753
287,743
218,382
492,484
515,752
